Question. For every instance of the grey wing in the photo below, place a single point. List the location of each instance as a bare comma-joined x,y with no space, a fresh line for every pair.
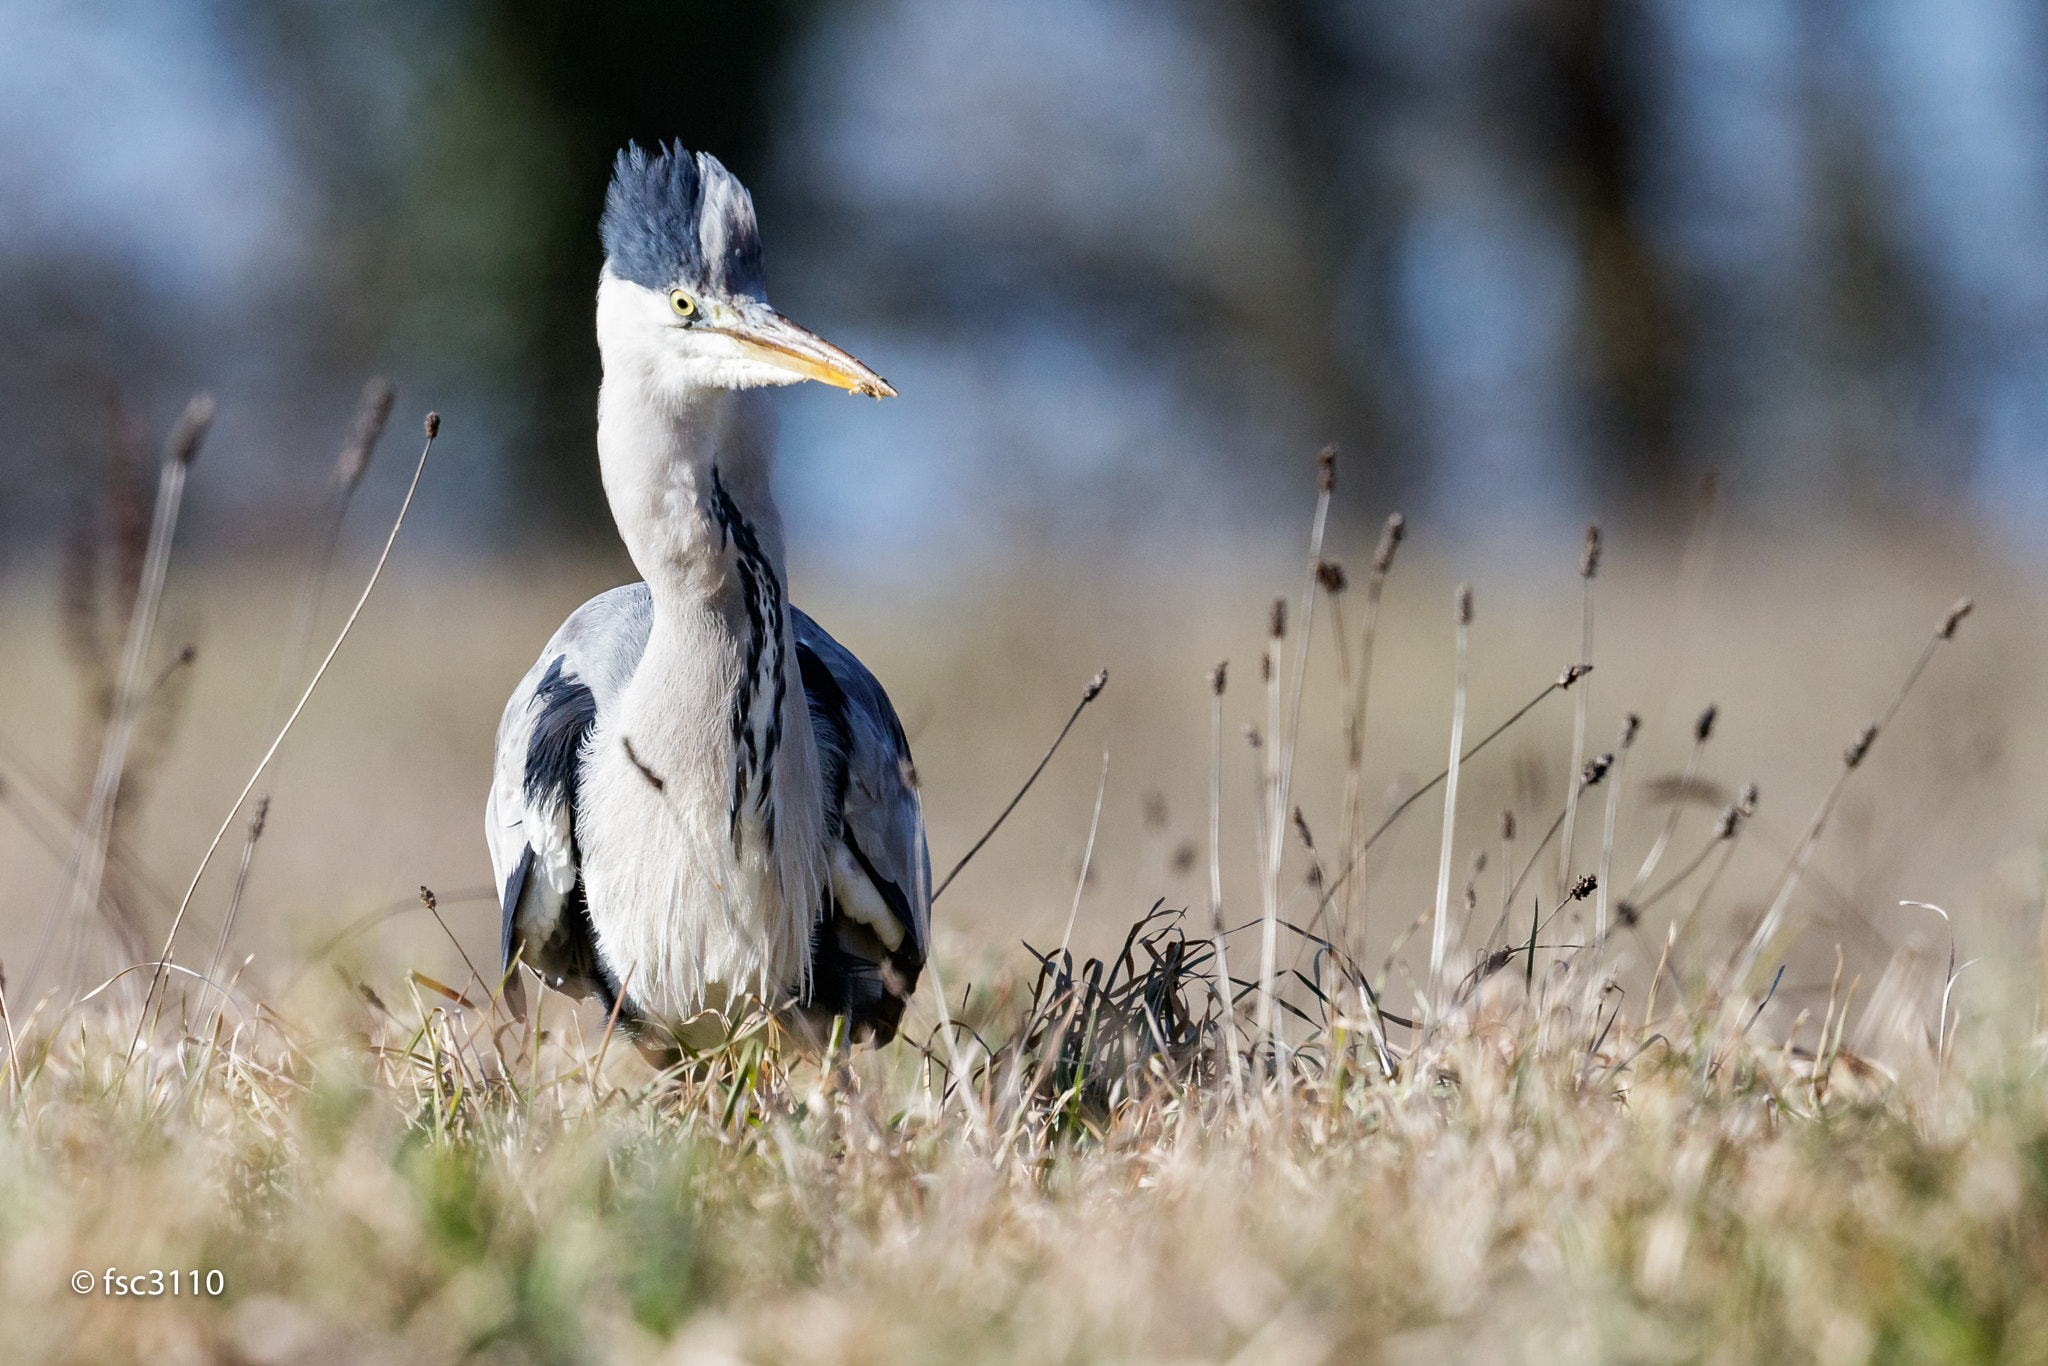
871,942
530,816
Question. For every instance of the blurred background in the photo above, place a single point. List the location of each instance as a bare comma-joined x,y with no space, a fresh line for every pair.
1530,263
1517,255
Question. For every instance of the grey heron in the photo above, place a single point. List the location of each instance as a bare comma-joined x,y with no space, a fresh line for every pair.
700,795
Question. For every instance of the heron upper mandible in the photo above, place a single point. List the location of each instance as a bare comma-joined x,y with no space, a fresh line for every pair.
699,794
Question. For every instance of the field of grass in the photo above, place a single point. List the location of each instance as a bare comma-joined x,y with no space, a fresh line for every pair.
1534,1184
1668,1137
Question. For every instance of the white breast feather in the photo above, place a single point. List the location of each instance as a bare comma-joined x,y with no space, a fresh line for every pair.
548,832
691,919
858,900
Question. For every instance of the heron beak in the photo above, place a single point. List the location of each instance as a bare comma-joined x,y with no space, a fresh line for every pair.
774,339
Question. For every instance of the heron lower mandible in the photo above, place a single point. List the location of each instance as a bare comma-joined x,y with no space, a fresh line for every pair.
699,794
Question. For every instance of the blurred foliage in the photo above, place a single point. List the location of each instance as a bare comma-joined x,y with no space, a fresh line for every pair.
603,73
463,200
1582,251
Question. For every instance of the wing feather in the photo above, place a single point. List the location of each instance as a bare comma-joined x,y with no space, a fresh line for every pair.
873,933
873,937
529,820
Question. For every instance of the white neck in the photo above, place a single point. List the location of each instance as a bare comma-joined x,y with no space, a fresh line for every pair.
708,757
659,451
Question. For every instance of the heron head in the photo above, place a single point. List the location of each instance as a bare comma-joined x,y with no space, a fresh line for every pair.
682,290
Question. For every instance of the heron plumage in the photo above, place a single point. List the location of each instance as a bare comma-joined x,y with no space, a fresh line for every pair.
673,217
701,795
872,930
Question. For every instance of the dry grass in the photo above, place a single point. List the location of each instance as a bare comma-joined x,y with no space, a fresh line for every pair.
1637,1147
1538,1183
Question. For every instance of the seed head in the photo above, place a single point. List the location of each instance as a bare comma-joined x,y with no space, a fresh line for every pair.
1703,729
1154,807
1596,769
1095,686
1747,801
1584,887
1219,678
1507,826
1731,816
1276,619
1630,724
1573,675
1464,604
1330,575
1955,616
1589,558
1853,755
433,425
373,410
1391,536
191,429
1326,468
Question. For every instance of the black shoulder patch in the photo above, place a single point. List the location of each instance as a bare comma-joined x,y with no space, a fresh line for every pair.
567,712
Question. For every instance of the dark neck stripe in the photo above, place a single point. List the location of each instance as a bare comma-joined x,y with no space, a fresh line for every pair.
756,719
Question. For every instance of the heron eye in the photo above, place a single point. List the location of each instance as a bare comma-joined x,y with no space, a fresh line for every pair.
683,304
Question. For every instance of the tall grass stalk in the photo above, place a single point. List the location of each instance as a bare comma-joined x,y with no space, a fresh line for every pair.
1507,857
79,897
1226,997
366,429
1594,772
1440,937
978,1123
52,822
1272,828
1326,482
1589,567
1564,682
1623,742
1281,755
1353,921
433,429
1702,731
220,942
373,410
1852,759
1088,694
1087,855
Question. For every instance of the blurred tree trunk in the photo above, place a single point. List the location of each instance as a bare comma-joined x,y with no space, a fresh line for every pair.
605,72
462,153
